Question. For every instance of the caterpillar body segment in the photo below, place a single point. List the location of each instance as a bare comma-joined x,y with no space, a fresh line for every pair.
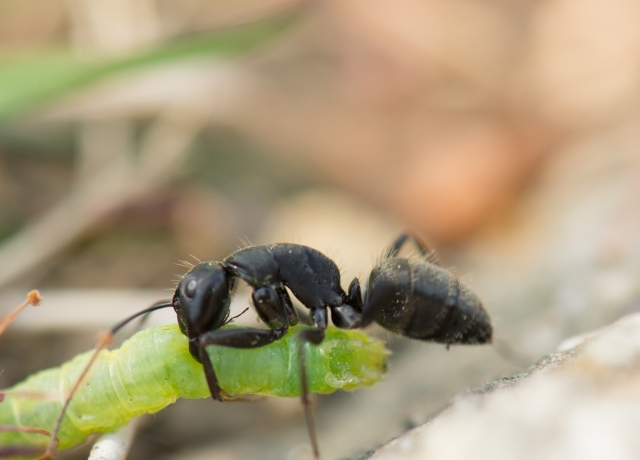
154,368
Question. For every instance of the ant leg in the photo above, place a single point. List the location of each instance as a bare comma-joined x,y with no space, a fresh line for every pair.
306,402
349,314
314,336
234,338
270,308
423,249
290,311
397,245
320,321
355,295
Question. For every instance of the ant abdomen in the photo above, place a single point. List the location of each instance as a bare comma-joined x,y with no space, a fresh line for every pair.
421,300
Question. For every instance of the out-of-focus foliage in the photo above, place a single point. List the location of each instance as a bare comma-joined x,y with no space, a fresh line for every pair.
36,77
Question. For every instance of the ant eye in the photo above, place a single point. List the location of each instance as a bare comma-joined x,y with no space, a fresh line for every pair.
190,289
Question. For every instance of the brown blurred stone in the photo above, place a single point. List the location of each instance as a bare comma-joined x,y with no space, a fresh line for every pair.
30,22
583,66
454,182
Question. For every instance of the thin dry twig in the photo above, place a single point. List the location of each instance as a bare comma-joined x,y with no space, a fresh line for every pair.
33,298
164,147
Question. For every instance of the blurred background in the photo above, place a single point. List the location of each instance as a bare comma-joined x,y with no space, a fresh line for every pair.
136,133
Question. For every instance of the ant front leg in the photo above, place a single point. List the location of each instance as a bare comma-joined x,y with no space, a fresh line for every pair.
270,308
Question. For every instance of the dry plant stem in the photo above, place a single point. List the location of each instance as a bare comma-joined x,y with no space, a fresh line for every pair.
13,451
33,298
66,308
163,148
43,395
103,342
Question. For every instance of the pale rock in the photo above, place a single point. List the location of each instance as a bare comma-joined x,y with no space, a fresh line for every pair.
580,403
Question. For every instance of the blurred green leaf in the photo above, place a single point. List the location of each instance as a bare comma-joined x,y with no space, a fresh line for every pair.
33,79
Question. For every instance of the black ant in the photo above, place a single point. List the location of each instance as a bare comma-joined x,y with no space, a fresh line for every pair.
409,296
414,297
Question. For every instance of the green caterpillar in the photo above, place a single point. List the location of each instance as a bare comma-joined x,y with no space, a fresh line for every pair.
154,368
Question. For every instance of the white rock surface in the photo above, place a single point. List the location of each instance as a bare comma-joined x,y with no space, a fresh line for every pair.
581,403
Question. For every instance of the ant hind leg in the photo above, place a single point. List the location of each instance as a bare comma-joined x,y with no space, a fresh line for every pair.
306,400
423,249
314,336
394,249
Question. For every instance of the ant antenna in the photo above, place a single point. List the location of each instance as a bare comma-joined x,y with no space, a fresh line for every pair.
33,298
103,342
124,322
145,316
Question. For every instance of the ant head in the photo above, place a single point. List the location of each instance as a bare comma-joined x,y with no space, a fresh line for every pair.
202,299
